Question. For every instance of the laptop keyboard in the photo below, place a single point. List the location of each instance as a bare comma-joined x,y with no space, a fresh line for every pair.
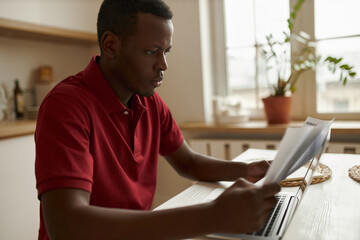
268,226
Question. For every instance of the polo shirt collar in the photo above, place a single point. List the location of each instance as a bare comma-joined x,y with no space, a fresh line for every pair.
95,80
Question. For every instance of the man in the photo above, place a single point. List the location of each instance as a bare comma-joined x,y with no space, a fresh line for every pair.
99,134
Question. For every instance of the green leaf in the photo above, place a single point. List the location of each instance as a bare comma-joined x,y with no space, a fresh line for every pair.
338,60
345,66
290,23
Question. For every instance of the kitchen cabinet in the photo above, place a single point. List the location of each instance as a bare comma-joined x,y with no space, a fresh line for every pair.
19,218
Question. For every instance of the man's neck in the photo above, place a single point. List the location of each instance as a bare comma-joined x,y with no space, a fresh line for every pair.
123,96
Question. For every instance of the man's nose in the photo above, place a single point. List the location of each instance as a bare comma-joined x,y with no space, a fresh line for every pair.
161,63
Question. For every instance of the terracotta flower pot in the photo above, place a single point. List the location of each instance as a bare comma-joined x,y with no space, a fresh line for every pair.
277,109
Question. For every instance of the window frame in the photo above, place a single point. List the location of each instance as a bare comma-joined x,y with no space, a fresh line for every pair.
305,95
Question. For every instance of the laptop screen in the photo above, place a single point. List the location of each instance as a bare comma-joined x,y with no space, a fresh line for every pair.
313,163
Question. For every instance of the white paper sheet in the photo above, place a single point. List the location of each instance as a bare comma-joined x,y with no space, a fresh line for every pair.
297,147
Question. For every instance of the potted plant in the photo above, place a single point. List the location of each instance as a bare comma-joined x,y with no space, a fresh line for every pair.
277,57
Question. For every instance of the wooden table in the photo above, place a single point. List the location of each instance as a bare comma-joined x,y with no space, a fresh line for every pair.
328,210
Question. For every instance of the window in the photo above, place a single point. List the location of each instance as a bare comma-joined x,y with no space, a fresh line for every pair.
247,22
336,33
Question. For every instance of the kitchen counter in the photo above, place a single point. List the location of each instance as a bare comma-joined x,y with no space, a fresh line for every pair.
16,128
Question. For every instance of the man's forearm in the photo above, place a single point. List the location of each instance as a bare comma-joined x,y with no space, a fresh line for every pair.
205,168
176,223
196,166
241,208
83,221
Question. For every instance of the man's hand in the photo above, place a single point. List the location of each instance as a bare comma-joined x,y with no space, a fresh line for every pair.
244,207
256,170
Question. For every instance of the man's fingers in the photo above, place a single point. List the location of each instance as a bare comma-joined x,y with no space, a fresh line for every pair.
242,183
269,204
269,190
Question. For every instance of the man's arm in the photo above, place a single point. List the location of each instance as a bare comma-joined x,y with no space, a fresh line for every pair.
241,208
204,168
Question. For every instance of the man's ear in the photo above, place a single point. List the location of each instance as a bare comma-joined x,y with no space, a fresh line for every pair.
109,44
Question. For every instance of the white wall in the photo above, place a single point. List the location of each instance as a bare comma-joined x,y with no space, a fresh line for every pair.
188,74
21,59
183,85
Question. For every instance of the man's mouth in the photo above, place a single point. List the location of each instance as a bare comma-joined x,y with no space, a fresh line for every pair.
157,82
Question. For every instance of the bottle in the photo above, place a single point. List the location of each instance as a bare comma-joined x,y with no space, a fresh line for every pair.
18,100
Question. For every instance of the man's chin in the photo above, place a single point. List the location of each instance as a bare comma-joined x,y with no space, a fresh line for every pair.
147,94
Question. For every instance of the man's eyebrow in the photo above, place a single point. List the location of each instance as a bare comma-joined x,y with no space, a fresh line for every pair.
160,47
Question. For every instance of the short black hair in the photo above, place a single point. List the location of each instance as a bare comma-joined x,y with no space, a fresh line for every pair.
119,16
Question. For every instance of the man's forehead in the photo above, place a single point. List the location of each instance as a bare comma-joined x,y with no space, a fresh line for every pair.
151,27
148,20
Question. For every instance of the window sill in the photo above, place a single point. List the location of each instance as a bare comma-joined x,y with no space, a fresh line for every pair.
338,127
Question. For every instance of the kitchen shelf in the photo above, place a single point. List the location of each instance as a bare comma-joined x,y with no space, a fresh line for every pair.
25,30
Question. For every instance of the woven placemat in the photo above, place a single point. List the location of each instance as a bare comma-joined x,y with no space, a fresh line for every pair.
354,173
321,168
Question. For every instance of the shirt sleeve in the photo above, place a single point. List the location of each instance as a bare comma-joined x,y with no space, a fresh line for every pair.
62,139
171,136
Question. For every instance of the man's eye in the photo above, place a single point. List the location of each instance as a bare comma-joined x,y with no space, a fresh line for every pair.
149,52
167,52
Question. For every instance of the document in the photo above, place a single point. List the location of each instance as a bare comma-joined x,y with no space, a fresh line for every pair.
297,147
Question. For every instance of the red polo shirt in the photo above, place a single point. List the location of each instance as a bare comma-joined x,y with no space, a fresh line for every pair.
86,139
